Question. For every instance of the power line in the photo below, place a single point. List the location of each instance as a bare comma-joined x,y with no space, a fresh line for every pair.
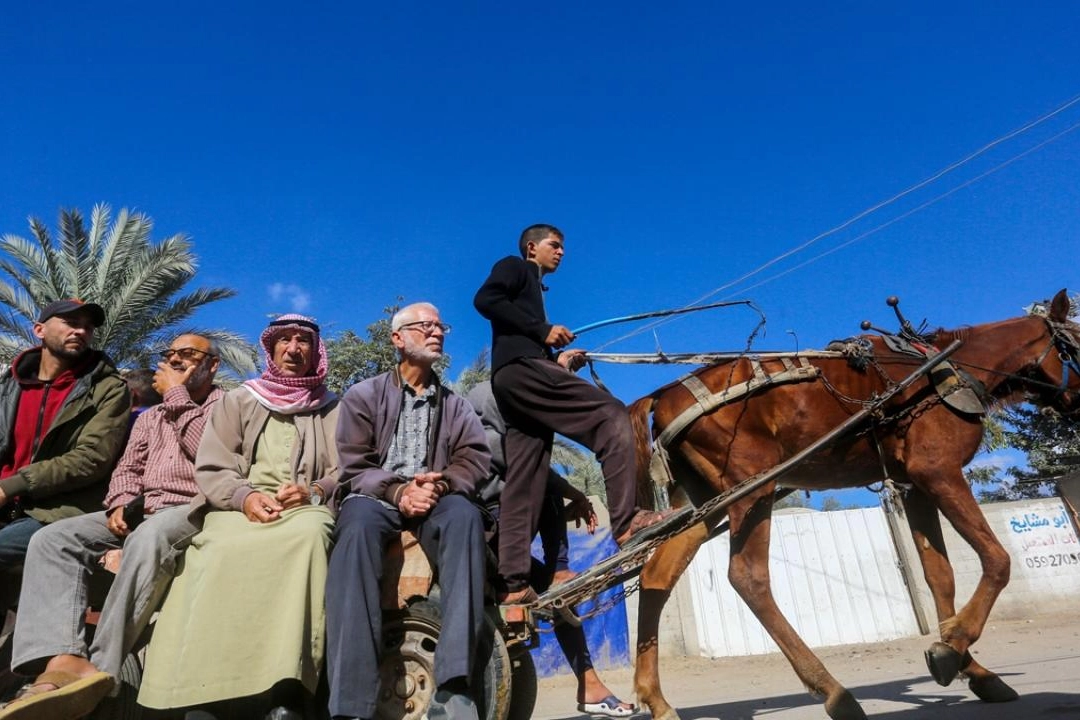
876,207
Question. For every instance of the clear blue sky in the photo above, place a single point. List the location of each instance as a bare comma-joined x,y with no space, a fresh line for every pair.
329,157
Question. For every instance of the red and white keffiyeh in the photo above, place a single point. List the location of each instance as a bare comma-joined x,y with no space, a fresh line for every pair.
285,394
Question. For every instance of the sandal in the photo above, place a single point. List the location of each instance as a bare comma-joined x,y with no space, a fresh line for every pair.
71,697
609,707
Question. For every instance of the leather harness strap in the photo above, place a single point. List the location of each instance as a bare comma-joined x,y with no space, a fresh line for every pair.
705,401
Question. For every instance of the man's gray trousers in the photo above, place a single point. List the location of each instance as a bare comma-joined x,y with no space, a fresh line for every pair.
52,606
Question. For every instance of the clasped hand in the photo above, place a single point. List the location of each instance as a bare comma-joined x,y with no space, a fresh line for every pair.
420,495
262,508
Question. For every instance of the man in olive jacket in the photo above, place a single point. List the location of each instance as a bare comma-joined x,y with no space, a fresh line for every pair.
63,421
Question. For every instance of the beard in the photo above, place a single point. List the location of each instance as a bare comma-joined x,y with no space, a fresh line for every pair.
419,353
200,377
59,350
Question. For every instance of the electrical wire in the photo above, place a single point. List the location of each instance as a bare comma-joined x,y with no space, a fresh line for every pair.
875,208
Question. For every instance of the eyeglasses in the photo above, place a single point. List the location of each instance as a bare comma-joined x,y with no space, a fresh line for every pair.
187,353
427,326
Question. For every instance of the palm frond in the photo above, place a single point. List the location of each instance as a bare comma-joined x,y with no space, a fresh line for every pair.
27,264
99,223
55,276
137,281
72,258
17,300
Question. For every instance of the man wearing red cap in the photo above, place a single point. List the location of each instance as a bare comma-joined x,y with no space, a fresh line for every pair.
63,421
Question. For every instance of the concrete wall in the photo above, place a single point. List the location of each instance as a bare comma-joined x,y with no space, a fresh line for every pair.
1038,534
1045,553
834,576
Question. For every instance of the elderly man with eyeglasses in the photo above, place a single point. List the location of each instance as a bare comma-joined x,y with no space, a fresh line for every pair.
147,508
412,453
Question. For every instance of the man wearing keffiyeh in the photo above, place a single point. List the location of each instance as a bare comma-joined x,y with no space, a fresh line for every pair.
245,619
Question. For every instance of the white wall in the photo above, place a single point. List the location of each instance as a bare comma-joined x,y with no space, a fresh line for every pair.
835,577
1045,554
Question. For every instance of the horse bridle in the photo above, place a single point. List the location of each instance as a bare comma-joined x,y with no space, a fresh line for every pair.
1065,342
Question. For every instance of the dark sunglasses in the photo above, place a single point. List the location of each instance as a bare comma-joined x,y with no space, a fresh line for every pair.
187,353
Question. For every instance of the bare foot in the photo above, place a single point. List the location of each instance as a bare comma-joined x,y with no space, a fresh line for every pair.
642,519
73,664
562,576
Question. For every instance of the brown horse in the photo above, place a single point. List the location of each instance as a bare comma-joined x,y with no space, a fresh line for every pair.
918,439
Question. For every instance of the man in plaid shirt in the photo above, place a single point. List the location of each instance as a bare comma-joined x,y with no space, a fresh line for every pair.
146,515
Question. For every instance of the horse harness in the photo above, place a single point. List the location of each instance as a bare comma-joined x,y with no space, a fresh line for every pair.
955,387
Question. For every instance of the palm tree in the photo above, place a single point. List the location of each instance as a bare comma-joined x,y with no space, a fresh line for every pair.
115,264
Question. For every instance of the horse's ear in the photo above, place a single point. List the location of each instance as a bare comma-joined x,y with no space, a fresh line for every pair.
1059,307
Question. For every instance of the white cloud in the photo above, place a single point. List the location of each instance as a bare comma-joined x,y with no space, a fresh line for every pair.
298,298
996,460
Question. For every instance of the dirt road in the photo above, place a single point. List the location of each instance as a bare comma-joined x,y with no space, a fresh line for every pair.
1039,658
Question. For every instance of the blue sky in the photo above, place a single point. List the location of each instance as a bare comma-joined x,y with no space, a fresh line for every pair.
329,157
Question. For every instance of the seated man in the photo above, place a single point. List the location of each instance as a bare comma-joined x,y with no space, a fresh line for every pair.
593,696
64,410
142,384
156,472
244,618
412,454
63,421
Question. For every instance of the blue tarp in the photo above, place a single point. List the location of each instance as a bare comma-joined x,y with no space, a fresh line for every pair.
607,634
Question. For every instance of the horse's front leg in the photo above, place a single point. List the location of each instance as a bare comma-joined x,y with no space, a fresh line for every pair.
749,575
658,577
951,656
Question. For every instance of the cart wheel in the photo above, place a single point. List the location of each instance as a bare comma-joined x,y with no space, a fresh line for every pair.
523,682
407,670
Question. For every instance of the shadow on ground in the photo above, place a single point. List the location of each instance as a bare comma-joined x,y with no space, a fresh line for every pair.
917,702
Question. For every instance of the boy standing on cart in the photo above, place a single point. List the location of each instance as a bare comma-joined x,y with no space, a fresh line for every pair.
538,395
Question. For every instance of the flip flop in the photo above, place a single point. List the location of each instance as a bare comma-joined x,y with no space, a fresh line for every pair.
73,697
609,707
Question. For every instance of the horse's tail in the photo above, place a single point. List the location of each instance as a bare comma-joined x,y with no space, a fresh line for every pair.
640,411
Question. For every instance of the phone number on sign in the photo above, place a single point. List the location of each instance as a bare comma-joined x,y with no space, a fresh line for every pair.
1058,560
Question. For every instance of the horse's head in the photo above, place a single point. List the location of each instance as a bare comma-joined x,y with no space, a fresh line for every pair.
1056,372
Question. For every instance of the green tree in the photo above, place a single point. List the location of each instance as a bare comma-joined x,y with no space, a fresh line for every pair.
1051,445
115,264
352,358
797,499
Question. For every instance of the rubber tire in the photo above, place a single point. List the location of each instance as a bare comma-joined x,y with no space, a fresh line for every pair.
523,684
408,663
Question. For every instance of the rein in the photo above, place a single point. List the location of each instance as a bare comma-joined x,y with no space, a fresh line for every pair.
1068,350
664,313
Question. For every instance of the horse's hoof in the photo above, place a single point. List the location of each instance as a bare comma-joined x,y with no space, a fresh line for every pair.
670,714
943,663
991,688
844,706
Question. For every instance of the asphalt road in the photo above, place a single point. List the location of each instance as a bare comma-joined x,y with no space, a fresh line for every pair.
1039,658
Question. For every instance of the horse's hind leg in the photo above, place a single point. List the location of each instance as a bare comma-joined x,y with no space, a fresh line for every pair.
658,577
945,659
749,575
